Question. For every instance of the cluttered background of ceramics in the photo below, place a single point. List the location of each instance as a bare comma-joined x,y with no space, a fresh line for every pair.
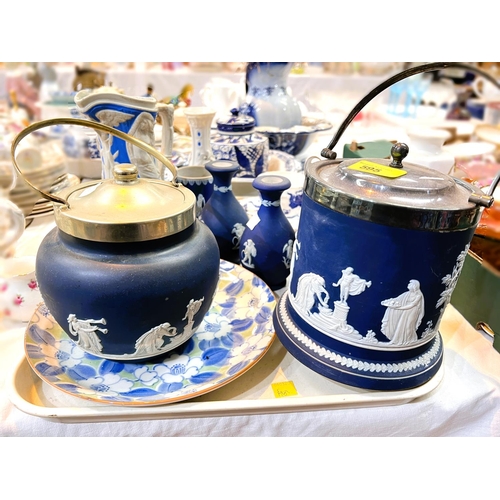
256,120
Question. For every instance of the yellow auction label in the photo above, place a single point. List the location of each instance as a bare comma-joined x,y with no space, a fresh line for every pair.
371,167
284,389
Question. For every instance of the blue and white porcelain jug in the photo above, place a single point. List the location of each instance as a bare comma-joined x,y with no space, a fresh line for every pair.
134,115
268,100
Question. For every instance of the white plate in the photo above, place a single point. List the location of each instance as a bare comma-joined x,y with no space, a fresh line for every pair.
468,150
235,333
255,392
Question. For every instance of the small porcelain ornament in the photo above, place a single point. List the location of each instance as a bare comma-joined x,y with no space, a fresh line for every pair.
128,272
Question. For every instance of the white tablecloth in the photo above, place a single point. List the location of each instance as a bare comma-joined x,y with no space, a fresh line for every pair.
466,403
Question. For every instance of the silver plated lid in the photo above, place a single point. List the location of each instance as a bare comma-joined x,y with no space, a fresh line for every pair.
125,209
394,193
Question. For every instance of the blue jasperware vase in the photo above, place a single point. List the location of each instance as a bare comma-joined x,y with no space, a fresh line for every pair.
267,242
223,213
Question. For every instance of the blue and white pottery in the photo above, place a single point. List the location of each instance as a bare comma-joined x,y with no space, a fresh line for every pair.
297,139
267,242
234,335
268,100
198,180
133,115
223,213
237,141
128,272
379,250
200,122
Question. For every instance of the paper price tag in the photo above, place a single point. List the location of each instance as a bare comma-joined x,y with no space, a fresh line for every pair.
253,222
371,167
284,389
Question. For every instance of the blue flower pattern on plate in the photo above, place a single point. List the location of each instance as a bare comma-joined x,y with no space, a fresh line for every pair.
235,334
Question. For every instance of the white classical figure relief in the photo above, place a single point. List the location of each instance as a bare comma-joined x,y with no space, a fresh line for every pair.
404,315
192,308
295,255
143,129
200,201
311,288
237,230
351,284
113,118
311,292
249,252
152,341
288,253
86,331
107,157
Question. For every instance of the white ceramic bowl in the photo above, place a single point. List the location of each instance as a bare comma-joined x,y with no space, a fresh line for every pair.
19,294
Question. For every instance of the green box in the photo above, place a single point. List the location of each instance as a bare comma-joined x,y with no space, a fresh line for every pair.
477,295
374,149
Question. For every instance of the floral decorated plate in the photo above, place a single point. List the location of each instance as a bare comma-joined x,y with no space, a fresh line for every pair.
234,335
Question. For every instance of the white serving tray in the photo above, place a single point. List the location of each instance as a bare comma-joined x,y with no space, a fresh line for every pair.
251,393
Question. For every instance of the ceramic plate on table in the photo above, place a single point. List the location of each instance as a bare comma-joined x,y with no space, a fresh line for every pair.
234,335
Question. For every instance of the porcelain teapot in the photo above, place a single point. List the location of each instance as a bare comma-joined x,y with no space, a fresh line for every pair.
128,272
379,249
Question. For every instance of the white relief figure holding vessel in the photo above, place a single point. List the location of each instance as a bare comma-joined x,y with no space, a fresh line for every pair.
249,252
403,315
86,330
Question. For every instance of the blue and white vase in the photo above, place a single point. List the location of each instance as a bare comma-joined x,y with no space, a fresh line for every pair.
200,124
223,213
268,100
237,141
267,242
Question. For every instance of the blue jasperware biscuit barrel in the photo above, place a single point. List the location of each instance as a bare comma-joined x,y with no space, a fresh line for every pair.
128,272
379,249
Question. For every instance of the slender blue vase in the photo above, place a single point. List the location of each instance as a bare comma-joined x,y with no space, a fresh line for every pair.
267,242
223,213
